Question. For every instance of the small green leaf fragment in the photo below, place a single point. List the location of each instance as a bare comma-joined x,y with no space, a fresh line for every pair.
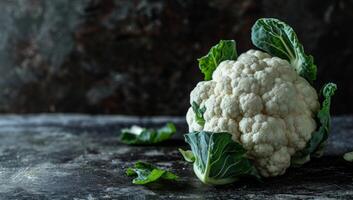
224,50
198,113
146,173
348,156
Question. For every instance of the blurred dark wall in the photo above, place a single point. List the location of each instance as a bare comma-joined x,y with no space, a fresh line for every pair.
139,56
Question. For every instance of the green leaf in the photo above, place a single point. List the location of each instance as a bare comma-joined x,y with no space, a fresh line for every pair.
224,50
139,135
147,173
316,144
218,159
279,39
198,113
348,156
188,155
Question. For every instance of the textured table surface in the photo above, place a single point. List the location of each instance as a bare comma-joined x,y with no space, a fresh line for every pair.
80,157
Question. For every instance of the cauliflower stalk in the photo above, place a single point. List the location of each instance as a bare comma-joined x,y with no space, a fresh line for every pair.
265,100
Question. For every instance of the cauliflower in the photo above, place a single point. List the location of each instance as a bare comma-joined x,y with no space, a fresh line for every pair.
256,114
263,103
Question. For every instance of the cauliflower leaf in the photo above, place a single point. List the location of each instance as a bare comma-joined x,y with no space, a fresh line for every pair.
217,159
187,155
279,39
198,113
224,50
316,144
147,173
138,135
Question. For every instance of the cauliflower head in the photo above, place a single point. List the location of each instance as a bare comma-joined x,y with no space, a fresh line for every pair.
263,102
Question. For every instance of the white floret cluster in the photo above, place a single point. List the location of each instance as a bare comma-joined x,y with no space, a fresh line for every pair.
263,103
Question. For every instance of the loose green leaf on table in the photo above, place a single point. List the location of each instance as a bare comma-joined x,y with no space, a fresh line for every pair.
317,142
143,136
217,159
224,50
279,39
348,156
147,173
198,113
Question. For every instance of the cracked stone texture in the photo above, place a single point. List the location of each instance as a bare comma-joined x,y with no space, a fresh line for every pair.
80,157
139,57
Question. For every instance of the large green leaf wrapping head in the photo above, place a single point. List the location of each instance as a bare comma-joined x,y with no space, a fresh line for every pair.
217,158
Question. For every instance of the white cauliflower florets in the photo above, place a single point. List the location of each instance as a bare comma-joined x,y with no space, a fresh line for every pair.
263,103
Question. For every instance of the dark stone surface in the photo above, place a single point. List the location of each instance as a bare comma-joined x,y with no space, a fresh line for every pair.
80,157
139,57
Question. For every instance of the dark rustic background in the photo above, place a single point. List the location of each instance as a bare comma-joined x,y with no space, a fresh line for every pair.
139,56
